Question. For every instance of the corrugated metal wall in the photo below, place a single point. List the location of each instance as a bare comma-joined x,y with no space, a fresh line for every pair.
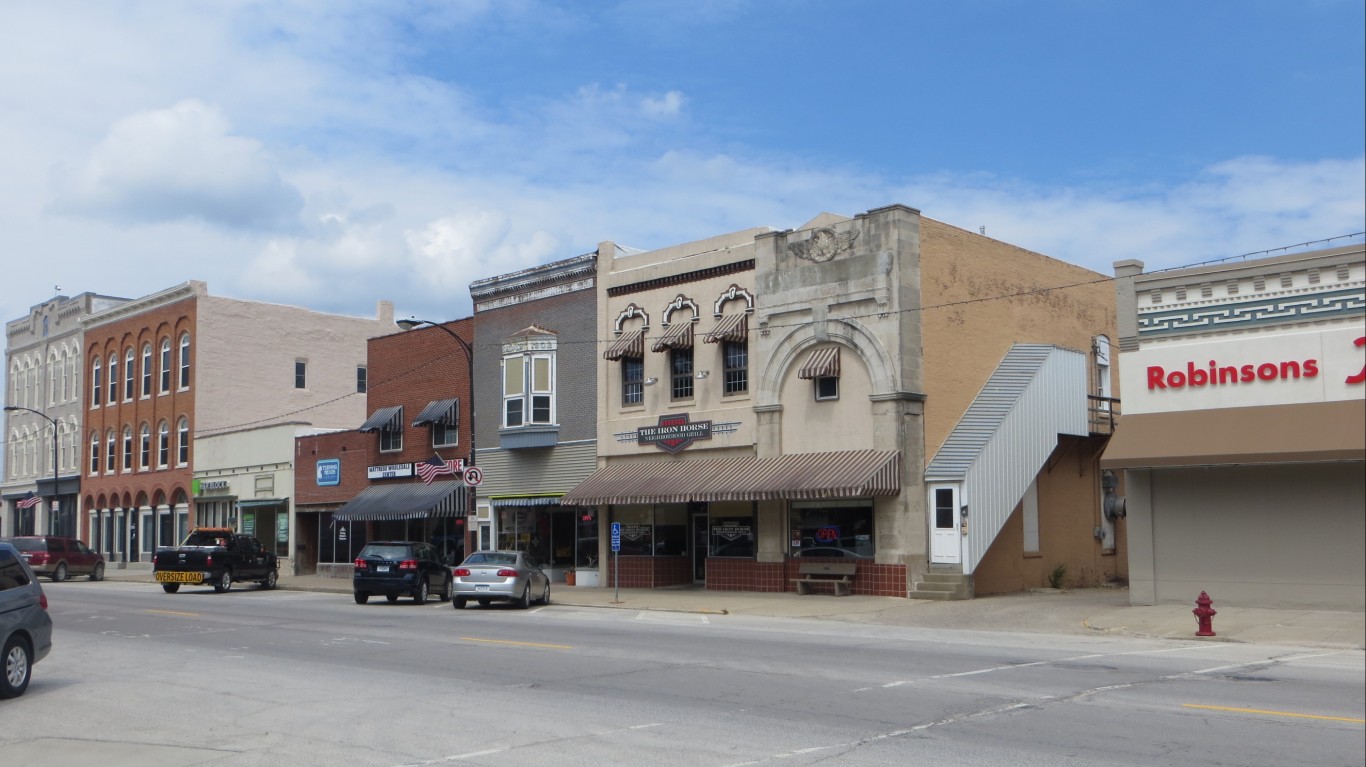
531,472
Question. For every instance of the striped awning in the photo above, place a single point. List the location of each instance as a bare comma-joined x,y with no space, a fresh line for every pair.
411,500
797,476
731,327
525,501
443,411
822,363
678,336
384,419
629,344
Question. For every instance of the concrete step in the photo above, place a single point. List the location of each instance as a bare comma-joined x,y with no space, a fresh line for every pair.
942,586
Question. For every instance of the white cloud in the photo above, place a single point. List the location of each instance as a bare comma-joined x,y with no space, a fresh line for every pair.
178,163
668,105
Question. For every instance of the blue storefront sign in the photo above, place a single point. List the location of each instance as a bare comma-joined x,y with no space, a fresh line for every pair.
329,471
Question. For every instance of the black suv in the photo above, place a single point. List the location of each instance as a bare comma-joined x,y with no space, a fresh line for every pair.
401,568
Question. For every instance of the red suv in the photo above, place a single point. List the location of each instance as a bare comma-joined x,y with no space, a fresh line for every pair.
58,557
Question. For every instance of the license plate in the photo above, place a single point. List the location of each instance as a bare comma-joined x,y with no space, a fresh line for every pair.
482,587
382,569
174,577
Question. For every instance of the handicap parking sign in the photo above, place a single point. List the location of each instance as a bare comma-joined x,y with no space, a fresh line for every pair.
616,536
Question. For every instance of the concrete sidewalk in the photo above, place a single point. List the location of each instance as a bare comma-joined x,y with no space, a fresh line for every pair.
1081,611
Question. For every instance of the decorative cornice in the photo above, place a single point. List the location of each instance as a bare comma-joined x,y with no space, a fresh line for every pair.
191,289
682,278
575,273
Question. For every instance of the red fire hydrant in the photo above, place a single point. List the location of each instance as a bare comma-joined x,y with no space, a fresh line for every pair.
1204,615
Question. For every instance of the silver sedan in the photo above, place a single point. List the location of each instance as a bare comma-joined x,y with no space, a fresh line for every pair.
503,576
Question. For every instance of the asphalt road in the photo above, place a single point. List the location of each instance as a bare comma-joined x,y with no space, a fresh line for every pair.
139,677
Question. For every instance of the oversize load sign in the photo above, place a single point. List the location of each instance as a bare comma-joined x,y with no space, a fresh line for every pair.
674,433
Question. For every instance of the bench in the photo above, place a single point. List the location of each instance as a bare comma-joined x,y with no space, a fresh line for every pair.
837,574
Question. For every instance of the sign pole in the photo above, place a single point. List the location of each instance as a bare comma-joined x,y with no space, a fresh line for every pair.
616,563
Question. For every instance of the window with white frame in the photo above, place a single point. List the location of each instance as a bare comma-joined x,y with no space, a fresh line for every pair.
146,444
362,379
146,370
163,445
680,373
129,375
113,378
528,389
391,440
52,378
185,361
632,380
182,432
165,365
96,383
300,374
127,448
111,452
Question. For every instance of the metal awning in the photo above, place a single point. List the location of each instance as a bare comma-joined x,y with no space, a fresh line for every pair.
629,344
822,363
384,419
1304,433
443,411
731,327
411,500
678,336
843,474
525,500
246,503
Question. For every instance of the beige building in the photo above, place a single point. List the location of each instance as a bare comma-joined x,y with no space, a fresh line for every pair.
883,390
1243,444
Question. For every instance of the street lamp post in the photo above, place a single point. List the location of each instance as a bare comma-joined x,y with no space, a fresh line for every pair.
52,506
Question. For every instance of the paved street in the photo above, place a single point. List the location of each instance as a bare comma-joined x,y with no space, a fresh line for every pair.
139,677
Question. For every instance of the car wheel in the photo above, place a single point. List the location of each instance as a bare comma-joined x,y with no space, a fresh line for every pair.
458,603
170,588
448,591
485,602
545,595
391,597
420,598
525,601
98,574
17,667
272,580
362,597
59,574
224,582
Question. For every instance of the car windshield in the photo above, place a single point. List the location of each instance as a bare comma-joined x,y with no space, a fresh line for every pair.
30,544
205,539
491,558
384,552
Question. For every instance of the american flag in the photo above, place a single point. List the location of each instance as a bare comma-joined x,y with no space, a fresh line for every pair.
29,501
434,467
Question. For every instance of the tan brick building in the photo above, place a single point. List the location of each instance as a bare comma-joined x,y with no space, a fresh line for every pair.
885,390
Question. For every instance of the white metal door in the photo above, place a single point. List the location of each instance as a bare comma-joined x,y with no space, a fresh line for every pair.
946,545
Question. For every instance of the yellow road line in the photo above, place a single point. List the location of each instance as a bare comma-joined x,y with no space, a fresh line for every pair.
1277,713
173,612
520,644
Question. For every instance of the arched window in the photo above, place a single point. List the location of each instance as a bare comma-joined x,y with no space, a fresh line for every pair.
63,454
146,370
146,445
127,448
185,361
163,445
129,374
182,435
94,454
96,383
66,375
165,365
52,365
113,378
111,453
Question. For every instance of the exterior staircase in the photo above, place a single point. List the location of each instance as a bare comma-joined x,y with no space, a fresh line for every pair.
942,584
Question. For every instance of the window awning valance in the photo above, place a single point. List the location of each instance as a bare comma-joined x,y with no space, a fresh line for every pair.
731,327
822,363
443,411
384,419
412,500
842,474
679,336
629,344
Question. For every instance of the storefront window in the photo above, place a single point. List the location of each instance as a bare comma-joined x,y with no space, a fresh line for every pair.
836,529
671,529
586,545
637,529
730,530
545,532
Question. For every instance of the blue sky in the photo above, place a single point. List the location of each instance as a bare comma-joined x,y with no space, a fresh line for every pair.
333,154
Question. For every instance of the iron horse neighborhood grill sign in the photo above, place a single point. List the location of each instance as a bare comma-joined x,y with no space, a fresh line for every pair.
673,433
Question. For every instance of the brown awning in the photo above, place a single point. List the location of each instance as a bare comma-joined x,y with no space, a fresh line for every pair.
1321,431
822,363
678,336
628,344
731,327
844,474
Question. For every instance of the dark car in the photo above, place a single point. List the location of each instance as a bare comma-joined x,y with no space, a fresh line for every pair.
25,626
400,568
58,558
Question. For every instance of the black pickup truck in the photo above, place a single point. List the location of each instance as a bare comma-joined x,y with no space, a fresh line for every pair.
216,556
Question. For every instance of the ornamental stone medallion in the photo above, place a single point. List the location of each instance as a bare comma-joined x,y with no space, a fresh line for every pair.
824,245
